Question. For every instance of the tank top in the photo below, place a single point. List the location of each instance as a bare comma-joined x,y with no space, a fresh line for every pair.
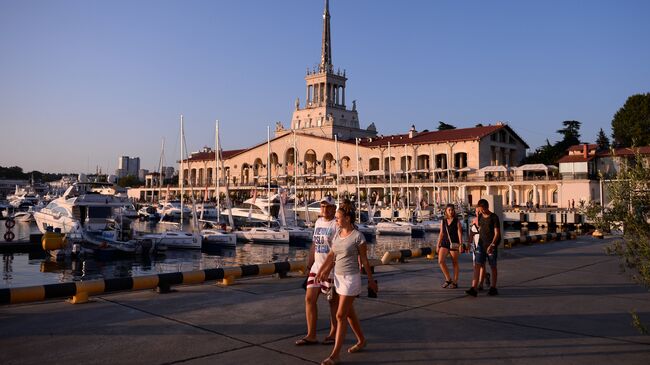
452,230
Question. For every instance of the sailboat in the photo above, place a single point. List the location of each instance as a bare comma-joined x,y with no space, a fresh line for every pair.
218,235
177,238
391,227
271,233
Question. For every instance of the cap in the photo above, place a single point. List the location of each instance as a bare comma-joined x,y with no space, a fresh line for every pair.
328,200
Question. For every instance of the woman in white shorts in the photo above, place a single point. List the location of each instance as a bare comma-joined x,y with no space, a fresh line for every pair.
348,248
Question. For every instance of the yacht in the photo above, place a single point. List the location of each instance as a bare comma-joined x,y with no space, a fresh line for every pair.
81,207
149,212
218,237
259,233
400,228
206,211
253,210
172,210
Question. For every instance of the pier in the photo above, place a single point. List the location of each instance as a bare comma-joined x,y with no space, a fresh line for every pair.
563,301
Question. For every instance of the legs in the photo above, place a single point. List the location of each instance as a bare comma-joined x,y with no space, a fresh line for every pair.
442,256
353,320
311,312
345,305
454,259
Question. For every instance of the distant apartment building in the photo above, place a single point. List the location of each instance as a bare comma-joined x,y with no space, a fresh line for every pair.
168,172
142,173
128,166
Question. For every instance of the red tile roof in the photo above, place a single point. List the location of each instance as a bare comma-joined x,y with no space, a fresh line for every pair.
575,158
209,156
449,135
579,147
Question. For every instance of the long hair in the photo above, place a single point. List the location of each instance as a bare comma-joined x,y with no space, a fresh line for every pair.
347,208
453,208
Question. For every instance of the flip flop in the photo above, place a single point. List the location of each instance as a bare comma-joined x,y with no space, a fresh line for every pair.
357,347
305,342
328,341
446,284
329,361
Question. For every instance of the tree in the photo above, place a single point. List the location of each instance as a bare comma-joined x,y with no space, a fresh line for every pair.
602,141
631,123
442,126
128,181
570,133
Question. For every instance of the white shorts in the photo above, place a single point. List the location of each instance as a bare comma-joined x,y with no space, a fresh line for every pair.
347,284
324,286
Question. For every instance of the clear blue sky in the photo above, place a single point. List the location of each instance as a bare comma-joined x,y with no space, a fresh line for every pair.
83,82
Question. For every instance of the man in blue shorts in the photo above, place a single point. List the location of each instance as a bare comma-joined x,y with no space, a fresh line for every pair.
489,237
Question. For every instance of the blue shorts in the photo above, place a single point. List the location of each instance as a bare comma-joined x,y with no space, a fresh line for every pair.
480,256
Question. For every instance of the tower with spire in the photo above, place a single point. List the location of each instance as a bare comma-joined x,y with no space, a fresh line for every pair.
324,111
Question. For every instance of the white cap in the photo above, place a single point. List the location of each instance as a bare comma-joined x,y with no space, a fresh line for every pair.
328,200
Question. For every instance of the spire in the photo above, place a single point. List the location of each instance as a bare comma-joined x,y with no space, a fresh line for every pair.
326,47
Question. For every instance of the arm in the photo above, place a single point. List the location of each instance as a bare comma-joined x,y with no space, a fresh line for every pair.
324,272
460,236
363,255
311,256
497,236
440,236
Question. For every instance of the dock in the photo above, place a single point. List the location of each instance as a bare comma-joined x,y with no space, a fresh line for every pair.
559,302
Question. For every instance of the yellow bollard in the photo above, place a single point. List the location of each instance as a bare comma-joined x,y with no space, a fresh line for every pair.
79,298
228,280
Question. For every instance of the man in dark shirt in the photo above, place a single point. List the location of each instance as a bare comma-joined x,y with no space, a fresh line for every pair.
486,250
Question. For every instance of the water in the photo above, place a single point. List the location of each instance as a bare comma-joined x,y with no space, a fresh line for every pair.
36,268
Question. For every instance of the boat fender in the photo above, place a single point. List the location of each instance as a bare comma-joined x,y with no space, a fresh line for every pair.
9,236
10,223
53,241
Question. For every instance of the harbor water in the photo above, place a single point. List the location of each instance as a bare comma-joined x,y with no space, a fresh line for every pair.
36,267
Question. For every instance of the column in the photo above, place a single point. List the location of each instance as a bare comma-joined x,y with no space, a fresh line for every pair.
535,201
344,96
510,195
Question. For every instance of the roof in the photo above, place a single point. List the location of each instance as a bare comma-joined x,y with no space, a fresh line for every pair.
575,158
579,147
449,135
627,151
209,156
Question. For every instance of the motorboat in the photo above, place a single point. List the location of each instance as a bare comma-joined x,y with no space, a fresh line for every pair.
118,236
205,211
174,239
252,210
129,211
263,234
368,230
393,229
81,207
25,217
299,234
431,225
172,210
149,212
218,237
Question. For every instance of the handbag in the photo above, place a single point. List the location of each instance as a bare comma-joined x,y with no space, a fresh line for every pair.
452,245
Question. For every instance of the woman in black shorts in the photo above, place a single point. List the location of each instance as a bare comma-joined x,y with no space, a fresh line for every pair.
449,243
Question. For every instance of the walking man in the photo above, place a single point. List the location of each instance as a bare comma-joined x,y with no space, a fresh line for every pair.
324,231
486,250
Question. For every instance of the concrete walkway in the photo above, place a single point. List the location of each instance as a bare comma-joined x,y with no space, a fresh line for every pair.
561,302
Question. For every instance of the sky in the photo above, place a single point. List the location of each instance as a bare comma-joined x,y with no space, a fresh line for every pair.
84,82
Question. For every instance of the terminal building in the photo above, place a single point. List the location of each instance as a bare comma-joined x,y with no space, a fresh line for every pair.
326,149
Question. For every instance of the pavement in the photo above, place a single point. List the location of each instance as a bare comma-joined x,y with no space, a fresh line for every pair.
562,302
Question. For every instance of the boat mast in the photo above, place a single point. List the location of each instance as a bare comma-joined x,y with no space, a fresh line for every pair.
356,141
338,169
295,178
216,168
268,175
408,201
180,173
390,183
160,176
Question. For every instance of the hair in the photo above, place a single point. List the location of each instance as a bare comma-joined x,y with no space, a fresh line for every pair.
347,208
483,204
450,206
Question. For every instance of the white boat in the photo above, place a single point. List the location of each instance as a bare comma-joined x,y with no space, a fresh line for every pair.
263,235
368,230
431,225
172,210
24,217
205,211
252,210
394,228
80,207
299,234
218,237
149,212
129,211
174,239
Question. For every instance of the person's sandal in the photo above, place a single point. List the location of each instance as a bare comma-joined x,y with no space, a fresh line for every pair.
453,285
328,341
329,361
357,347
446,284
305,342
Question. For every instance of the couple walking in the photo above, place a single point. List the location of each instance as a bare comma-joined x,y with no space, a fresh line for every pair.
337,250
485,235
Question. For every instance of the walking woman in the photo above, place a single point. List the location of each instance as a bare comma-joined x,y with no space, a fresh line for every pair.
449,243
348,248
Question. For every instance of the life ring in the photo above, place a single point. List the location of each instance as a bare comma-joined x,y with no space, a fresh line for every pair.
10,223
9,236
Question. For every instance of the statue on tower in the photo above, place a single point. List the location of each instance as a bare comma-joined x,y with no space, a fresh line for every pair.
279,127
354,105
297,103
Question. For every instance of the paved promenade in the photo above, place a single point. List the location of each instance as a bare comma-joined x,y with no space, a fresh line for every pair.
560,303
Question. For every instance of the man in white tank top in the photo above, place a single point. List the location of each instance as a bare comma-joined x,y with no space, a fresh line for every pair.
324,231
